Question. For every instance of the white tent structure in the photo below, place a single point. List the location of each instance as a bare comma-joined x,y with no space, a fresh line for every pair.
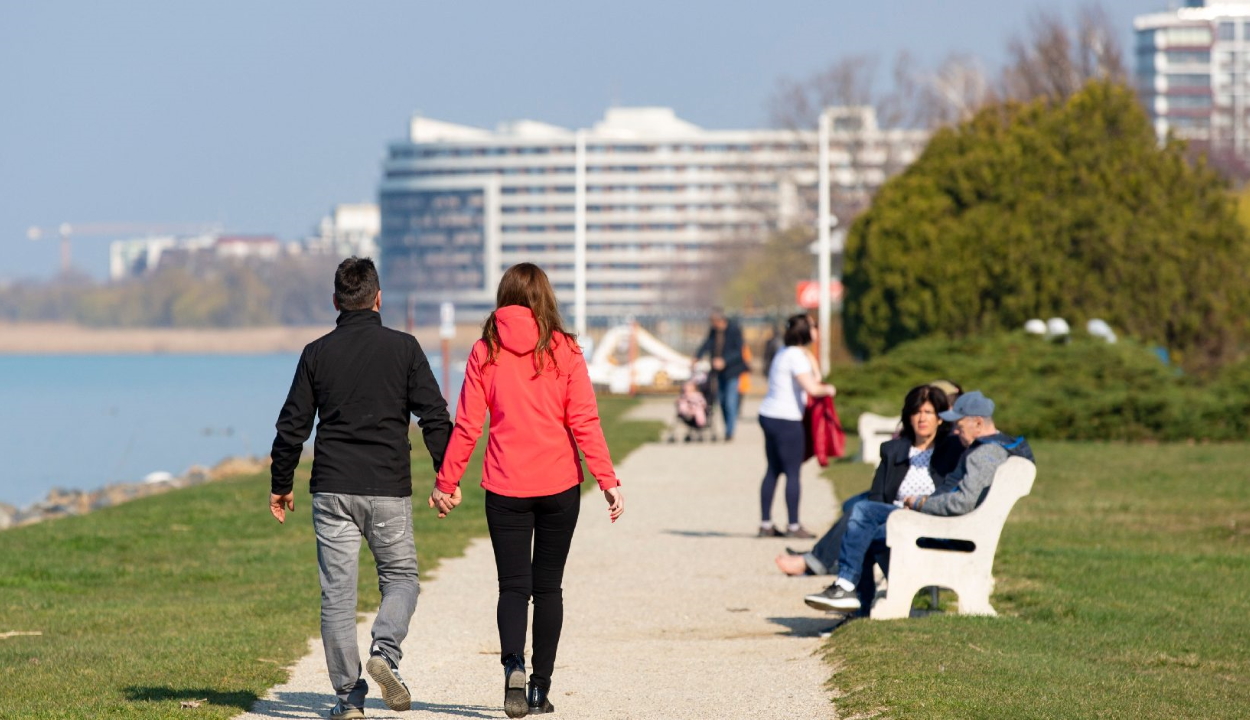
629,357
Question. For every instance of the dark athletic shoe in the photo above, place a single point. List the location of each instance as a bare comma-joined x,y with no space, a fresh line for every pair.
346,712
792,551
538,702
834,599
515,704
771,532
394,691
800,533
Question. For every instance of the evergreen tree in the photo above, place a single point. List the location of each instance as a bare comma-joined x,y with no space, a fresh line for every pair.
1045,209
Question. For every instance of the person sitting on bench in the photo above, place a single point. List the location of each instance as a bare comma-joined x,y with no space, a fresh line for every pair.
961,492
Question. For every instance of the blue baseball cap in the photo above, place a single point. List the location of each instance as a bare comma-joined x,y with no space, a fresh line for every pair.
972,404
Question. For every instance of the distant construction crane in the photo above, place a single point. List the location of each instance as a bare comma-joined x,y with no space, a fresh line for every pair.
65,230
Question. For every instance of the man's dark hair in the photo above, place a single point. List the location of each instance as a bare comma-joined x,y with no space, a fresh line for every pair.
798,330
356,284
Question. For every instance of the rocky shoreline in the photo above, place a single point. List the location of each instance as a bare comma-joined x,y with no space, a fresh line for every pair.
61,503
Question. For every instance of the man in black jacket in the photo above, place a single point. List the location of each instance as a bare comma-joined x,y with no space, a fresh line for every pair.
362,381
723,346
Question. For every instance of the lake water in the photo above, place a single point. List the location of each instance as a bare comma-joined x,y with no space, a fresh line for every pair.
86,421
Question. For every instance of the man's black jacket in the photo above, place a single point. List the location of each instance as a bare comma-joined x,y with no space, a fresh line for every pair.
362,380
731,350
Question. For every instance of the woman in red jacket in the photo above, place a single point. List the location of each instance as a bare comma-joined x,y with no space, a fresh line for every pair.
531,377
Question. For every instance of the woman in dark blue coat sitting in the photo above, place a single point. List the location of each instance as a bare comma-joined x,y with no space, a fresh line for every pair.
911,464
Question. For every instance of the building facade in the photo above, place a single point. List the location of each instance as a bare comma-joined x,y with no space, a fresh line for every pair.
349,229
657,200
1193,73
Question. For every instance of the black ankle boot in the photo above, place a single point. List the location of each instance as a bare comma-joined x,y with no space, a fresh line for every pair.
515,704
538,702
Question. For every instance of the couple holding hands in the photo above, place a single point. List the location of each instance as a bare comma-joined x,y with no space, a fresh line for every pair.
362,381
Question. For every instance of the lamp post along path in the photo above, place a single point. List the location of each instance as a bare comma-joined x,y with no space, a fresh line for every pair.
824,242
579,238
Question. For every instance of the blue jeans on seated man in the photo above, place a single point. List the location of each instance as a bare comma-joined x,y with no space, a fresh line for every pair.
865,528
727,388
823,558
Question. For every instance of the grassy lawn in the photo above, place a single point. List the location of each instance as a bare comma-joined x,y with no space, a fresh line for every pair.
196,594
1123,589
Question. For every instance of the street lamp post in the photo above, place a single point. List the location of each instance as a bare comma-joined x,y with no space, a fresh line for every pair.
579,238
824,242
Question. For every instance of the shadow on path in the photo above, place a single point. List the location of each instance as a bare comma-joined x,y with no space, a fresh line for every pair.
707,534
301,704
809,626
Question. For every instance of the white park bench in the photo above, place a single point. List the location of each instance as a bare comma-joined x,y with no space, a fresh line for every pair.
873,430
969,574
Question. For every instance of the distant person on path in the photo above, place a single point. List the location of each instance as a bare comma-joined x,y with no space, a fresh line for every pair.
361,381
794,375
530,377
961,492
912,464
723,346
772,346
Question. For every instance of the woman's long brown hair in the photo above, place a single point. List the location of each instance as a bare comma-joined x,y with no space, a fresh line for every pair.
526,284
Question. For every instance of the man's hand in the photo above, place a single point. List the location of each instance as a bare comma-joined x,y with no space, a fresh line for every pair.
443,502
718,364
911,501
279,504
616,502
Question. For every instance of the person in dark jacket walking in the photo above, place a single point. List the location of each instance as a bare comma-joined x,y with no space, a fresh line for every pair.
361,381
723,346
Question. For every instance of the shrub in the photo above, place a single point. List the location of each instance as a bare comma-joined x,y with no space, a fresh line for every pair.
1084,389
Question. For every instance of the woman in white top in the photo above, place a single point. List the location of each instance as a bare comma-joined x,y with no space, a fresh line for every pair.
793,376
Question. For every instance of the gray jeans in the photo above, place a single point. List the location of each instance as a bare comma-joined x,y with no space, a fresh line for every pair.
386,523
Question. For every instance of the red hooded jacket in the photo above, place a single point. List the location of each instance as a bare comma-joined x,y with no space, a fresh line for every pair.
825,438
537,422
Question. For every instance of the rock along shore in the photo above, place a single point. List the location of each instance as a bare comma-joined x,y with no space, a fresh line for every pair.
64,503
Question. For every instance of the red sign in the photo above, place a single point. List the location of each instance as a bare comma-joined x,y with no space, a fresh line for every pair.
807,293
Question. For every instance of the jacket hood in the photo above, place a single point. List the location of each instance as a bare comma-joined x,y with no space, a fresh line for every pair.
1015,446
518,330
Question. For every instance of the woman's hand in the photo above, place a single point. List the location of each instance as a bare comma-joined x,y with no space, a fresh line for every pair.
616,502
443,502
830,391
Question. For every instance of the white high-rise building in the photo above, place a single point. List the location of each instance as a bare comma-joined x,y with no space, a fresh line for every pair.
1193,72
349,229
659,198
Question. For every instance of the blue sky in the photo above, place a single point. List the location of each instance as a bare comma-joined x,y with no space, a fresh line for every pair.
262,115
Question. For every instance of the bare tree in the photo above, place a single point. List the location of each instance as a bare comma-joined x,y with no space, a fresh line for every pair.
849,81
1054,59
955,92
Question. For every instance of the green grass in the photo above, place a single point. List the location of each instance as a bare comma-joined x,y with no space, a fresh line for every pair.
196,594
1123,582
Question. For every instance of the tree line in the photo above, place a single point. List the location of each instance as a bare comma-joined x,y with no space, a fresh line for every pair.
295,291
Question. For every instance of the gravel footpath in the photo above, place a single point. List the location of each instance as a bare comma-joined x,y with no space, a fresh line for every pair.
676,611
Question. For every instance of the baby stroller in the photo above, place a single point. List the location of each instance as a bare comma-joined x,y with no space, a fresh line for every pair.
696,406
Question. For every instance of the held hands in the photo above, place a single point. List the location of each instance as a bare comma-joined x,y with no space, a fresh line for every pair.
279,504
616,502
443,502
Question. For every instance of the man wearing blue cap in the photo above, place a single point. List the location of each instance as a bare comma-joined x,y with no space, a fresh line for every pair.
960,493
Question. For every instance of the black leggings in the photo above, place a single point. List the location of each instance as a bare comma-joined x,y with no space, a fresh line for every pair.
548,523
785,442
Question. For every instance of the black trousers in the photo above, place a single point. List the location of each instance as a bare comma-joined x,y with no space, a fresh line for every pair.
546,525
